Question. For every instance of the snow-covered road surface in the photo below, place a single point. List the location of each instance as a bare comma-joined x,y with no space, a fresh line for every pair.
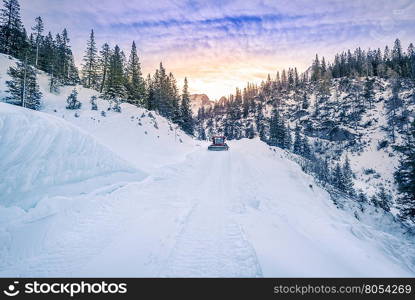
248,212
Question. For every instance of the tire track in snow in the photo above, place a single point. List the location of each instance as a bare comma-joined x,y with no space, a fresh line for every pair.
211,242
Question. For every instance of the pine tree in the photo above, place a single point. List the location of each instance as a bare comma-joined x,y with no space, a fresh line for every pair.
38,30
347,178
287,138
161,87
51,63
411,61
150,96
47,56
90,66
368,93
66,70
23,87
405,176
382,199
115,85
305,103
259,122
397,56
362,198
135,81
186,113
305,148
72,100
392,105
104,65
174,100
273,128
316,70
277,131
93,102
12,34
337,179
297,147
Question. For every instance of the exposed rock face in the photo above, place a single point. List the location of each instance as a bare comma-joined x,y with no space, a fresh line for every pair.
200,100
331,133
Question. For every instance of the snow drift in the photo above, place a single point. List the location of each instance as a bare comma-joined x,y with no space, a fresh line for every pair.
41,153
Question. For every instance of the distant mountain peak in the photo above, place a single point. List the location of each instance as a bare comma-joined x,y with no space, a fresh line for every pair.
200,100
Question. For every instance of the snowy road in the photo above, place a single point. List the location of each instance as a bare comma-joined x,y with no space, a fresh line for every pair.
248,212
211,241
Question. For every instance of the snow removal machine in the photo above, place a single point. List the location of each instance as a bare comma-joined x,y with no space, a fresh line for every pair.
218,144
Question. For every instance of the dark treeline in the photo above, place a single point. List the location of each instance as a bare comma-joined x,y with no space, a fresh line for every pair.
361,63
117,77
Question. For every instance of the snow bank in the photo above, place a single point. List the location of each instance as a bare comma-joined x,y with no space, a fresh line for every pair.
41,153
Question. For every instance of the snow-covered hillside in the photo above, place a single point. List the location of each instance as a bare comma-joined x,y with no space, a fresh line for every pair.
169,207
338,121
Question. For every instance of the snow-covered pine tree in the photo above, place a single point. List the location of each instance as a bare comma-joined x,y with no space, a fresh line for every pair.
72,100
23,87
250,132
405,176
382,199
93,102
90,74
117,104
187,123
135,81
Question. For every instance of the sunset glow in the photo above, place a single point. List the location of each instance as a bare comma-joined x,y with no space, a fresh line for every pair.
220,45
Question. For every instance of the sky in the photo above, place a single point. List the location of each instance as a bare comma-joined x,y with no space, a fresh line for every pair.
221,44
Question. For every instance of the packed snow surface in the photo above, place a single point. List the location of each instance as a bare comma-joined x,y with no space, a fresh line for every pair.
129,195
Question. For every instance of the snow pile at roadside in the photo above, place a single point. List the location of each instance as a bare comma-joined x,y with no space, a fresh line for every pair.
41,153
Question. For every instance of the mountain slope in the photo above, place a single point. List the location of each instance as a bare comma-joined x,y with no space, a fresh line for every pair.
335,117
